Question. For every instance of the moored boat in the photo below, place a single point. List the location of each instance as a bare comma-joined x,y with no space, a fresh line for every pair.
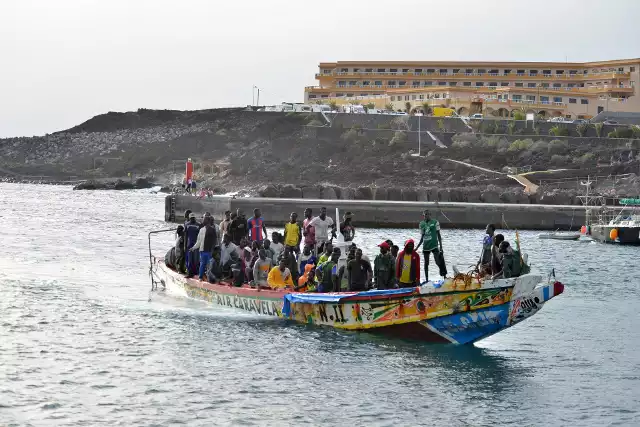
461,310
618,224
559,236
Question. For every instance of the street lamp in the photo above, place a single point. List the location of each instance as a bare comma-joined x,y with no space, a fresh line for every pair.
258,98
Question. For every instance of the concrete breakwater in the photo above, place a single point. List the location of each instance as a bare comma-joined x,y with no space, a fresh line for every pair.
394,214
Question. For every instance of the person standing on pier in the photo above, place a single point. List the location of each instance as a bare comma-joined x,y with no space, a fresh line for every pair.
431,239
256,227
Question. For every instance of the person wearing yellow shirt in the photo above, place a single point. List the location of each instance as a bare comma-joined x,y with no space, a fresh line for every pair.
280,276
293,233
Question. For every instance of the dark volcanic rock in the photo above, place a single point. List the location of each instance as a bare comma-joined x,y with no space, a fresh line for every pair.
90,185
423,195
364,193
380,193
409,195
395,194
328,193
123,185
490,196
444,195
347,194
143,183
311,192
268,191
289,191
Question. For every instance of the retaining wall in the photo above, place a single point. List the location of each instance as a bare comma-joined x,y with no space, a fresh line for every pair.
370,213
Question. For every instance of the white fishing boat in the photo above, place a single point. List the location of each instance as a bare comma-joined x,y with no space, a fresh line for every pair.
559,236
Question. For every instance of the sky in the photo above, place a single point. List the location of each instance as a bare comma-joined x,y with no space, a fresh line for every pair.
65,61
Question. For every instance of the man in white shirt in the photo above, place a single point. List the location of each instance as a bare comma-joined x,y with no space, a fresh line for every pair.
228,254
322,224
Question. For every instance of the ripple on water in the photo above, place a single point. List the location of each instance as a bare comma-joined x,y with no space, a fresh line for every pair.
78,330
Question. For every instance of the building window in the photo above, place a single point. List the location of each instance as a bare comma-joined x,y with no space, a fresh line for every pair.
364,94
531,85
533,72
381,70
531,98
453,83
405,70
366,83
442,83
344,70
402,82
516,97
443,71
584,101
391,82
518,84
520,72
493,84
504,84
557,99
428,83
573,101
468,71
356,70
456,70
573,72
326,71
418,70
311,96
378,83
632,69
481,71
431,71
544,84
352,82
557,85
393,70
436,95
406,97
507,72
544,99
421,96
368,70
414,97
324,96
349,95
546,72
571,85
415,83
466,83
342,83
559,72
479,84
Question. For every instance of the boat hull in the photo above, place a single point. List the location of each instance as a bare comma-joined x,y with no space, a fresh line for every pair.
458,315
626,235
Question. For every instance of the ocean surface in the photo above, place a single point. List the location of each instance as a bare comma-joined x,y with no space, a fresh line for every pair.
83,342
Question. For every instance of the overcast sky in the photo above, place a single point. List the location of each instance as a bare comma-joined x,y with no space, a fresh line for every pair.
64,61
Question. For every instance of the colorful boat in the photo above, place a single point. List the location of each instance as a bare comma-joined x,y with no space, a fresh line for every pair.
462,310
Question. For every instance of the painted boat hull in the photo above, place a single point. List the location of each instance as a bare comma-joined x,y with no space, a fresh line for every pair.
626,235
458,314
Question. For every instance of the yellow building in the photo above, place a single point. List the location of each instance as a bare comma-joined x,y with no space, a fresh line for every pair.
570,89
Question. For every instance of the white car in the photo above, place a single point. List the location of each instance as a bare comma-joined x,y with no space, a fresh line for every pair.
477,116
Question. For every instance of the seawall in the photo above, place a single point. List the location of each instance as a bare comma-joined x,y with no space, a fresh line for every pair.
372,213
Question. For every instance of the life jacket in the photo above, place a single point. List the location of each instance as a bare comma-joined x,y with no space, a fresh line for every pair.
210,239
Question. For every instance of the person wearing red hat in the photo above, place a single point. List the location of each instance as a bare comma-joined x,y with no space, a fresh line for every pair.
384,268
408,266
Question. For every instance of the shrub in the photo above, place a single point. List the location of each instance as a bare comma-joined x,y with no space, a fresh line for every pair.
559,131
586,158
370,106
558,146
440,124
559,160
398,137
539,146
407,107
518,115
511,127
536,130
489,126
491,141
461,144
582,128
636,131
621,133
598,127
333,105
388,107
520,144
350,135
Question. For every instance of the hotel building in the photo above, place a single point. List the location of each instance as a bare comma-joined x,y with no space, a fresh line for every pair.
570,89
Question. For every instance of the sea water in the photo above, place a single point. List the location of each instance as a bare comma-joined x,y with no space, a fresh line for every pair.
84,343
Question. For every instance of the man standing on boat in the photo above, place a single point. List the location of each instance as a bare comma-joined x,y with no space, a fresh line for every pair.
408,266
238,227
207,239
191,236
431,238
359,273
384,268
256,227
224,224
347,229
322,224
292,234
309,232
484,263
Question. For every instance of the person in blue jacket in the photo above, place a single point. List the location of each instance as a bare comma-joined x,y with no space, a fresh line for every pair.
191,231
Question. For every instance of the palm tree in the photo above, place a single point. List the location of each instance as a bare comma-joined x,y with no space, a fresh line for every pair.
407,107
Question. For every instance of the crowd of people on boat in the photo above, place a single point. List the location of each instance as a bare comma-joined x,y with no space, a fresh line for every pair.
305,257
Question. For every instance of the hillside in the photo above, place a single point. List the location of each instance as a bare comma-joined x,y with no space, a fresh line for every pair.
237,149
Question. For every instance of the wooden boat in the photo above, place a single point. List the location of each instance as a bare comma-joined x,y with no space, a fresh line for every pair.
559,236
462,310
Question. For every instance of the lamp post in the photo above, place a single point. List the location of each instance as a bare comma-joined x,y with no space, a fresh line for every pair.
258,97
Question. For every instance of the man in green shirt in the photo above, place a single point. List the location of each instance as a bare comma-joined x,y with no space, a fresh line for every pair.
431,240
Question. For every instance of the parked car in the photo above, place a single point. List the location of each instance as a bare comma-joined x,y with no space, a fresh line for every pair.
580,121
610,122
476,116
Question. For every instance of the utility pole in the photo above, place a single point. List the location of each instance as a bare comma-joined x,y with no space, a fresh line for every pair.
258,98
